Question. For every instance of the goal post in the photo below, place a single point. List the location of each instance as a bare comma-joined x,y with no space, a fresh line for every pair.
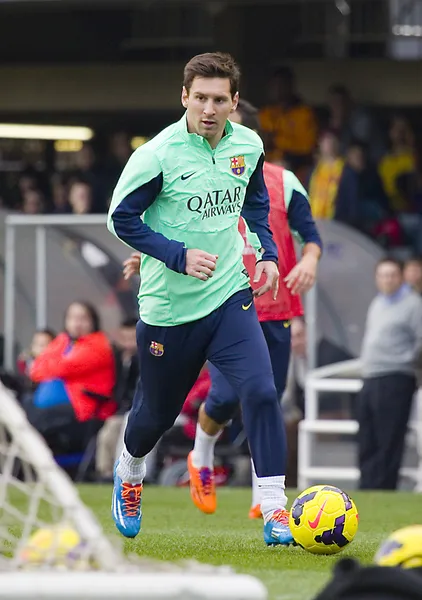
35,494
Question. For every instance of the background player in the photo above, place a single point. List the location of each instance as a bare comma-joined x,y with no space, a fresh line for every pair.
289,211
191,183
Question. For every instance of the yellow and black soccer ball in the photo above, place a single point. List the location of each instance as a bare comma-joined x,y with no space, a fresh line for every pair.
55,546
403,548
323,519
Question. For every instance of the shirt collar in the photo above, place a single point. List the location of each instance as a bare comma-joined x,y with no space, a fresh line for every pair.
402,291
194,138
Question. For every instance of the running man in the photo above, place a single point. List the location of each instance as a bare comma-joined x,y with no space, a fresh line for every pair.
178,203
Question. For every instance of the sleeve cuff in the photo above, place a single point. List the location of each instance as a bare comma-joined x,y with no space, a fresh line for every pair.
176,257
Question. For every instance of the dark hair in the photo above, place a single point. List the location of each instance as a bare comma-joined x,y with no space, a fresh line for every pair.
390,260
212,64
248,114
81,180
95,317
129,322
46,331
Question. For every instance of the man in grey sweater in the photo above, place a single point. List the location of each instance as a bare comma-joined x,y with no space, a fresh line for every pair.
391,350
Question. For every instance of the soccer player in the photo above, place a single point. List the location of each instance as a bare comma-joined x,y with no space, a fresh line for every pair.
289,210
178,203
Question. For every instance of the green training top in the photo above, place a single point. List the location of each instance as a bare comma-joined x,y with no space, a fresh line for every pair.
176,193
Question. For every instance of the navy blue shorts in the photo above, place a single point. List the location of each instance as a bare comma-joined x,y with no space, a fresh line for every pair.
222,401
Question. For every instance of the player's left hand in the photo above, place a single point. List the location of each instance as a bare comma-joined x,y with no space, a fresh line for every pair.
302,277
270,269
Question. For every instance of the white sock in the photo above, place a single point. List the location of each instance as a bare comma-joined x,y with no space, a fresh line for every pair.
203,450
131,468
256,496
272,494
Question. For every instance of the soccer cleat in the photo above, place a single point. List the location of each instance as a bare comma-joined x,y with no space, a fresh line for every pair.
255,512
126,506
277,530
202,487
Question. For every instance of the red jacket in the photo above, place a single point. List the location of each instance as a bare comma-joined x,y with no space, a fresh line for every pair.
88,367
286,306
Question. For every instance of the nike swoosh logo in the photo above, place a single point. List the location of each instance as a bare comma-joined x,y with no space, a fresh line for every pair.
247,306
314,524
187,175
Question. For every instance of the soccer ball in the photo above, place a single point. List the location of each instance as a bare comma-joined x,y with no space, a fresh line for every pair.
323,519
57,546
403,548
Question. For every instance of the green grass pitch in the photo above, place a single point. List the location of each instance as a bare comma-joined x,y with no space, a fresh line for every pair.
173,529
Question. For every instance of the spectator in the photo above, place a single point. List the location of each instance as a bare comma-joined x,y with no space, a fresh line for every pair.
413,274
89,171
325,178
80,197
39,343
28,181
76,377
34,202
400,160
361,201
288,125
127,369
353,122
120,150
391,349
59,194
409,184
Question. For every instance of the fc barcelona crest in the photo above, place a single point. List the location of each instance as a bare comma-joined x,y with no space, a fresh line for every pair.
237,165
156,349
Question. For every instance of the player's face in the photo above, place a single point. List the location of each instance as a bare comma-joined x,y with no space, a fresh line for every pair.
208,105
388,278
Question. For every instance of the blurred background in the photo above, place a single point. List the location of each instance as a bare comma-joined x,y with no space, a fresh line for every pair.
84,83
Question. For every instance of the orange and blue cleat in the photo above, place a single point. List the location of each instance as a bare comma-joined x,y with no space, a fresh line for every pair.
126,506
202,487
277,530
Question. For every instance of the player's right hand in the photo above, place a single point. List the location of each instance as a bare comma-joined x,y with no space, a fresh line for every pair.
200,264
132,265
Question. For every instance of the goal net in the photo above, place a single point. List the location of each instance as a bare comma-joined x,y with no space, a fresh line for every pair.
52,546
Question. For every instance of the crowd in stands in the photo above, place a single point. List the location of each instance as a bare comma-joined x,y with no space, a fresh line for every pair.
358,169
83,186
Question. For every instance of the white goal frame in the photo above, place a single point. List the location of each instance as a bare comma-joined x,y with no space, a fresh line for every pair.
138,578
